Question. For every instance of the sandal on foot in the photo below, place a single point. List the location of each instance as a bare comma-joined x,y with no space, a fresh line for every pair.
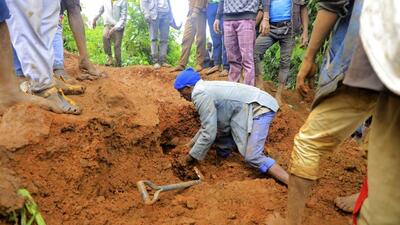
59,102
69,89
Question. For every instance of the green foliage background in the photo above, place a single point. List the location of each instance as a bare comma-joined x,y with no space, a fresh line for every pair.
136,45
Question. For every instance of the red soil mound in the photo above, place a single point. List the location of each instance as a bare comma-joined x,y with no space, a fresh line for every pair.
83,169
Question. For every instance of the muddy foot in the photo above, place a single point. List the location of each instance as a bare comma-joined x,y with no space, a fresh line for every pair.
86,66
275,219
346,203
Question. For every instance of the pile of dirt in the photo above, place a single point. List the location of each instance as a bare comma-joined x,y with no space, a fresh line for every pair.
83,169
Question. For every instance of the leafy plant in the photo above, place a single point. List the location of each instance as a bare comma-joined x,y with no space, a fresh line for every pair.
29,214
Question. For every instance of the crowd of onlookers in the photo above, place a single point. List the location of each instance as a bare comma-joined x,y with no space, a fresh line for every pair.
241,31
359,77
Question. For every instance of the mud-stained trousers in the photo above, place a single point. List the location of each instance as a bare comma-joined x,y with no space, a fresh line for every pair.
195,26
254,155
328,125
116,37
33,25
382,205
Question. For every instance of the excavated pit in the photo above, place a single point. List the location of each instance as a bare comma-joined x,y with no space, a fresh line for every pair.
84,169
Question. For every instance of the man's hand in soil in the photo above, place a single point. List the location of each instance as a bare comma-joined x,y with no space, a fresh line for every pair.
187,161
307,71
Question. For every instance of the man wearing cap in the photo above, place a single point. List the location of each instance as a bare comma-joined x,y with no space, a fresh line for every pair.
233,116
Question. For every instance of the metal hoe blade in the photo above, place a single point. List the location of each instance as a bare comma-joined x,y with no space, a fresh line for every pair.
143,184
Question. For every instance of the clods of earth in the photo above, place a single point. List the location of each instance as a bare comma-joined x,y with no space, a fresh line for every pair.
83,169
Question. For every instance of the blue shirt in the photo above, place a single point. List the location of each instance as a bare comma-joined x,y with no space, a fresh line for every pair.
280,10
4,13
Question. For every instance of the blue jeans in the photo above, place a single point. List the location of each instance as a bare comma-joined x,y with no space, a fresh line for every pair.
4,12
159,26
254,155
58,48
17,65
219,51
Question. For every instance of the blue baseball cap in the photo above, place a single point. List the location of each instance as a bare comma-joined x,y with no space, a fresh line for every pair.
188,77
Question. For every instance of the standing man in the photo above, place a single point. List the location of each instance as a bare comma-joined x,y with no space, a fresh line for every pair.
239,36
75,20
282,21
34,47
158,14
195,26
115,14
349,92
9,88
219,52
233,116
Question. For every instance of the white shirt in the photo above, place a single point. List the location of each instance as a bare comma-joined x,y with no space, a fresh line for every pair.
380,32
115,13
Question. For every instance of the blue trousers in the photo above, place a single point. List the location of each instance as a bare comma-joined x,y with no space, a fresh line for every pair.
4,12
254,154
159,31
219,52
58,47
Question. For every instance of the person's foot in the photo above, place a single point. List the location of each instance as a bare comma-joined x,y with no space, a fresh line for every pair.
69,89
59,103
277,172
156,66
224,73
346,203
212,70
178,68
275,219
110,61
199,68
51,99
64,76
86,66
166,65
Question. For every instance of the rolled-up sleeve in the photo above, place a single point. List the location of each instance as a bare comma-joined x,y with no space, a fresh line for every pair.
124,13
340,7
208,131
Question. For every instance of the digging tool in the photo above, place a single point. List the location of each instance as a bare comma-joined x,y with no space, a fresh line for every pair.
143,184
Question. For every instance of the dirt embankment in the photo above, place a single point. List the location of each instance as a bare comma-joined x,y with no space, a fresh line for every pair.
83,169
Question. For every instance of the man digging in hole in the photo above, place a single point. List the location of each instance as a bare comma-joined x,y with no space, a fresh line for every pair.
232,115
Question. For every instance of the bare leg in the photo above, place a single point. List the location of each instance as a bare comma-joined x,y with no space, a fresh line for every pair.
299,190
278,94
346,203
78,30
9,85
8,81
277,172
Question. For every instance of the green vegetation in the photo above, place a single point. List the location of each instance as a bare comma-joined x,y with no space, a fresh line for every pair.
136,45
29,214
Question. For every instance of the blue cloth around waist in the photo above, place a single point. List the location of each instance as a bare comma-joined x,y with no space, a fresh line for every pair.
4,12
280,10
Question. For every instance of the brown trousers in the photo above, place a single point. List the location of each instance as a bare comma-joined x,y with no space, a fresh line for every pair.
116,37
195,26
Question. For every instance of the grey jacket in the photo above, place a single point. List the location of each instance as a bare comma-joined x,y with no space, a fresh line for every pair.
150,11
225,107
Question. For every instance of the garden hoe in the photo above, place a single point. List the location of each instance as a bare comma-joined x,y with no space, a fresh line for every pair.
143,184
